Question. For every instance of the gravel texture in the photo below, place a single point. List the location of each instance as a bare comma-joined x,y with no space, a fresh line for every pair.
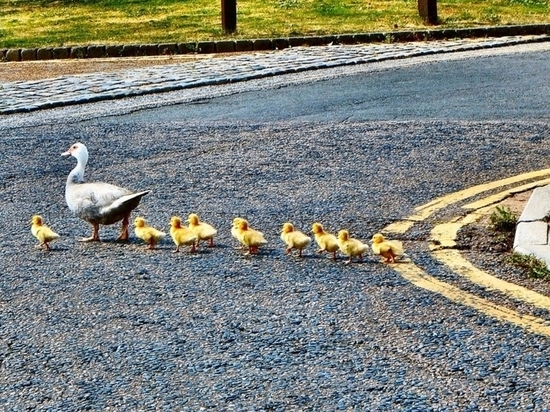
112,326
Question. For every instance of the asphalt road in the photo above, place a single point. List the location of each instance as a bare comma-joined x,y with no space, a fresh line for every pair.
114,326
503,87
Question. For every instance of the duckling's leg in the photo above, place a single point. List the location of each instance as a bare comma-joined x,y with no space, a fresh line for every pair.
211,244
299,253
388,257
95,233
124,231
334,255
46,246
177,249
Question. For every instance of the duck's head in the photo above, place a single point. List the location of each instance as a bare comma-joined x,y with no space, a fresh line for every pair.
377,238
288,227
77,150
175,222
243,224
237,221
36,220
317,228
343,234
139,222
193,219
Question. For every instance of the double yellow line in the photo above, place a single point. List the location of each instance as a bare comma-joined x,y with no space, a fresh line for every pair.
445,235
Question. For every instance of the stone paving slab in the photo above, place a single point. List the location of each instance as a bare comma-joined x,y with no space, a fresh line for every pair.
26,96
537,206
531,237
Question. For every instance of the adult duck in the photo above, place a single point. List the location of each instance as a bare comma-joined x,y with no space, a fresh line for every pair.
98,203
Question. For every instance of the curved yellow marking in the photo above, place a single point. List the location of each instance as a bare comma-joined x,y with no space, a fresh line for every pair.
419,278
453,259
498,197
444,235
424,211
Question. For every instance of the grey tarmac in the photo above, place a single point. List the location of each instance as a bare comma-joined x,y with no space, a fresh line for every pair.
109,326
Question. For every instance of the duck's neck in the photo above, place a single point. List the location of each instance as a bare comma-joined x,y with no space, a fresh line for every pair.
77,174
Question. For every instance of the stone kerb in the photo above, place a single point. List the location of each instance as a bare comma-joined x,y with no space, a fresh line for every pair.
531,236
228,46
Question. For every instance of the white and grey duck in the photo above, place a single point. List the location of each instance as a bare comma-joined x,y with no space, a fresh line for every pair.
98,203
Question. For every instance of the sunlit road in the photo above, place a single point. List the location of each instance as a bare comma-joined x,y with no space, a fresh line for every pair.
99,326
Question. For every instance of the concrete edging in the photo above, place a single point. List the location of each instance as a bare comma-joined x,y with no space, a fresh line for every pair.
229,46
532,232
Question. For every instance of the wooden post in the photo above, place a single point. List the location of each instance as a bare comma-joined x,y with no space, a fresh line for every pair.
229,15
428,11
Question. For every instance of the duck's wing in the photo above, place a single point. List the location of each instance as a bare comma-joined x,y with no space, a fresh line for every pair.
102,202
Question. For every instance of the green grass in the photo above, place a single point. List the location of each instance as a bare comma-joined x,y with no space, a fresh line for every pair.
534,267
37,23
503,219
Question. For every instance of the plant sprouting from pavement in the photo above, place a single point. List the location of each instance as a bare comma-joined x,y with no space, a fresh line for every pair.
503,219
534,267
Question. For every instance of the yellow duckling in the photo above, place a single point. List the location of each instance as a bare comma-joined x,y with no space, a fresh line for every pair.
235,229
388,249
148,234
42,232
182,235
294,239
203,230
350,246
248,237
327,242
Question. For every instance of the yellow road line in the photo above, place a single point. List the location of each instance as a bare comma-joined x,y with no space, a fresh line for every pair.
453,259
424,211
419,278
444,235
498,197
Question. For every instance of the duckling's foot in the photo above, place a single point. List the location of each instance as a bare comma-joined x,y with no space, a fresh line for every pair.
90,239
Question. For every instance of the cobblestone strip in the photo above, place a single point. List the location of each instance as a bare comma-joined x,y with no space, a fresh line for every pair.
17,97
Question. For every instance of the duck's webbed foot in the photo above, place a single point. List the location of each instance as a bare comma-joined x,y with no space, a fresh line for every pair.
95,234
124,235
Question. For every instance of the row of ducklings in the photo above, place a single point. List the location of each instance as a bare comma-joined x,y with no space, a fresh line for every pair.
249,238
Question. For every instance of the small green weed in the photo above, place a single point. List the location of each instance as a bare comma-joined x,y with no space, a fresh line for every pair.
534,267
503,219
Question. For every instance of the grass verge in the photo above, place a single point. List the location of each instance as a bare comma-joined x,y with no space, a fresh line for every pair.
39,23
